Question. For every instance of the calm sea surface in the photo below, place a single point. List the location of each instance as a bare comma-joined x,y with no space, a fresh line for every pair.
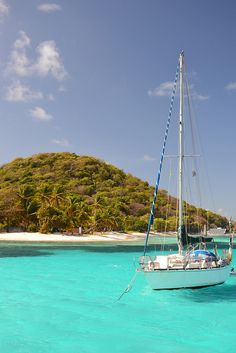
62,299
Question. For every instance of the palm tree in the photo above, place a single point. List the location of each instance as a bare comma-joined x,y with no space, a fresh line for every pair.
29,205
51,214
107,219
98,205
77,211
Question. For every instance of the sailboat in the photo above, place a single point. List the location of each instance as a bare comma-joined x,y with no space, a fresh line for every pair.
193,266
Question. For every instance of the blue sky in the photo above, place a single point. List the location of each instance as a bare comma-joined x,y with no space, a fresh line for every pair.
92,77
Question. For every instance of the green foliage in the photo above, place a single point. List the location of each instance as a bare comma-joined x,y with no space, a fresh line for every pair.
62,191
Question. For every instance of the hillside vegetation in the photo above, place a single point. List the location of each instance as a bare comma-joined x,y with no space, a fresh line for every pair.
51,192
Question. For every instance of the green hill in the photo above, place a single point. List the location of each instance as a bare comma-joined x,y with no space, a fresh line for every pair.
61,191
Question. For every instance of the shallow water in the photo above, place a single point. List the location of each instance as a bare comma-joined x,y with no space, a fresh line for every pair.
62,299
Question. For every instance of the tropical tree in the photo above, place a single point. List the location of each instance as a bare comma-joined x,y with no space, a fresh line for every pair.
29,205
78,212
11,210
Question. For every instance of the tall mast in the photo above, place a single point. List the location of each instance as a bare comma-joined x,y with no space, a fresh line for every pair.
181,128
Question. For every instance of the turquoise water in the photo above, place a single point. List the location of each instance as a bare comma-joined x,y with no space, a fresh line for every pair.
63,300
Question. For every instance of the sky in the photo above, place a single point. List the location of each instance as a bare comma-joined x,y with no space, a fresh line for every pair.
94,77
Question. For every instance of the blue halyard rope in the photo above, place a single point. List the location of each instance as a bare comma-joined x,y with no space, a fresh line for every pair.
151,218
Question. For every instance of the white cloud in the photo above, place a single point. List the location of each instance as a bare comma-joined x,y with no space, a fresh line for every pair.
163,90
17,92
231,86
62,88
196,96
220,210
49,61
23,41
148,158
48,7
61,142
51,97
4,9
19,63
40,114
199,97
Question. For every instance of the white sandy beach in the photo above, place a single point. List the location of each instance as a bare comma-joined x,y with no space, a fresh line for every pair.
65,238
38,237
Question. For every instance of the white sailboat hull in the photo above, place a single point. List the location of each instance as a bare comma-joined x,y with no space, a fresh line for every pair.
192,278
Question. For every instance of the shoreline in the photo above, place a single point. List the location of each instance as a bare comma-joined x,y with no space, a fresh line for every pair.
108,237
26,237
